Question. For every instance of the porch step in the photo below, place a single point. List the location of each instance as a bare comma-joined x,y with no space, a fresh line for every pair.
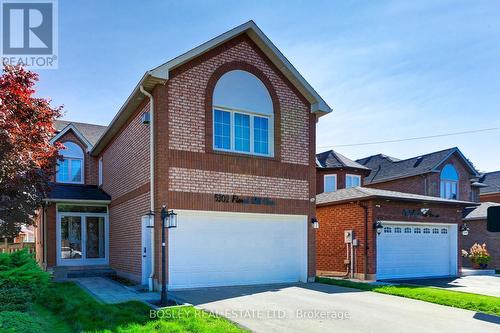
63,273
470,271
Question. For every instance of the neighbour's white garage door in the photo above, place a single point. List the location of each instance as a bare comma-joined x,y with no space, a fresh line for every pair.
416,250
221,249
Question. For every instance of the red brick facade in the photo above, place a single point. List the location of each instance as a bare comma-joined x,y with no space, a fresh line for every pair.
490,197
336,218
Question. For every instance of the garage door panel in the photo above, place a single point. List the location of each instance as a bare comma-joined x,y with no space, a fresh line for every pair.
217,249
405,251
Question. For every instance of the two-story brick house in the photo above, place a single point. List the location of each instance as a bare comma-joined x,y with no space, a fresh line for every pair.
405,218
224,136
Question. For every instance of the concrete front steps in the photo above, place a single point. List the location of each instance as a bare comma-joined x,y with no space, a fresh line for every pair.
471,271
62,273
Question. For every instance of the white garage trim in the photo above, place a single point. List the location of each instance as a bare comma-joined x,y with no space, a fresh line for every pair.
209,249
407,255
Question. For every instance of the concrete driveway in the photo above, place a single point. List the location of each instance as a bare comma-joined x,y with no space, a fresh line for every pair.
477,284
323,308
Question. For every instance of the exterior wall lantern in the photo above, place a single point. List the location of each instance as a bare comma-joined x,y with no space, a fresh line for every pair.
378,227
315,223
464,229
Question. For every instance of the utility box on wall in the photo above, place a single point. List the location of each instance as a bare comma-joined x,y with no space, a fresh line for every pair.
348,236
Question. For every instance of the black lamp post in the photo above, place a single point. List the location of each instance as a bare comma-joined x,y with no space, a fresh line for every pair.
168,220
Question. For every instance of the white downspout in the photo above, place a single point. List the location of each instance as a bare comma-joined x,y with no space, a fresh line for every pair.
151,180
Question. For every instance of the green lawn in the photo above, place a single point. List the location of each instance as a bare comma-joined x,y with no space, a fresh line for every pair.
474,302
67,308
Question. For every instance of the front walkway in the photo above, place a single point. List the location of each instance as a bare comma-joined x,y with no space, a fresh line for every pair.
109,291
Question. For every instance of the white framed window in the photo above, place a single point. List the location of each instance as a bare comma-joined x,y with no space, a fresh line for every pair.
387,230
427,231
330,183
70,168
100,171
352,180
407,230
243,116
449,182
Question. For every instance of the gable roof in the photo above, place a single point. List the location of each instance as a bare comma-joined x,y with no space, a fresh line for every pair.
160,74
366,193
332,159
87,133
492,182
480,212
385,168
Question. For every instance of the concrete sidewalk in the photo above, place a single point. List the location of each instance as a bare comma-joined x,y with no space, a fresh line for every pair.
111,292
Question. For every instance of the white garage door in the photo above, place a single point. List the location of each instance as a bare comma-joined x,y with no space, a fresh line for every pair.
416,250
221,249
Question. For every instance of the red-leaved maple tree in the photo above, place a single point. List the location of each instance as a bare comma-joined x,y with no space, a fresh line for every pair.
27,158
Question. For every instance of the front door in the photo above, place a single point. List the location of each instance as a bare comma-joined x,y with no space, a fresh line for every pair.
82,239
146,251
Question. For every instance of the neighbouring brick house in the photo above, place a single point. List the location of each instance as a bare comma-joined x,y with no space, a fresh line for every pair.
476,219
232,125
491,191
406,212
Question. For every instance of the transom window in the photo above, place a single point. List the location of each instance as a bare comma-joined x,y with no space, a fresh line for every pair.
449,182
444,231
70,167
243,118
352,181
435,230
407,230
416,230
397,230
387,230
427,231
330,183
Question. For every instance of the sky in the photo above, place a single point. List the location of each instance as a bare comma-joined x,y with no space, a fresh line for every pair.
389,69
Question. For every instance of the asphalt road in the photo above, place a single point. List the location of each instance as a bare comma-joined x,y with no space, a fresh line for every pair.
324,308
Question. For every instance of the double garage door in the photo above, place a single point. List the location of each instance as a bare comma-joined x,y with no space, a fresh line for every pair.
220,249
407,250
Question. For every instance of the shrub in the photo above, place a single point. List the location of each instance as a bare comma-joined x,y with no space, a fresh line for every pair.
20,270
479,255
14,299
19,322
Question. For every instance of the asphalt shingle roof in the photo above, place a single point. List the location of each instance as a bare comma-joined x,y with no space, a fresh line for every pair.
385,167
332,159
91,132
364,193
76,192
480,212
492,180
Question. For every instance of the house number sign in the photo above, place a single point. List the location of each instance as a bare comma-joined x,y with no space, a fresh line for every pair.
227,198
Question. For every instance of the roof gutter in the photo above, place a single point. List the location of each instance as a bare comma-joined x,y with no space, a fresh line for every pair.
151,178
77,201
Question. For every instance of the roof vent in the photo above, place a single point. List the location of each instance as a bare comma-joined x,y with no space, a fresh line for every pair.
418,161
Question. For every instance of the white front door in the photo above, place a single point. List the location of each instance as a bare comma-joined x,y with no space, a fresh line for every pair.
221,249
82,239
146,250
410,250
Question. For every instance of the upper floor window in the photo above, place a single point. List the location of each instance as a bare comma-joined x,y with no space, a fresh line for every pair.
70,167
352,181
449,182
330,183
243,118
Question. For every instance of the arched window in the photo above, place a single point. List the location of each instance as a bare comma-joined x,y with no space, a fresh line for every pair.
70,168
243,119
449,182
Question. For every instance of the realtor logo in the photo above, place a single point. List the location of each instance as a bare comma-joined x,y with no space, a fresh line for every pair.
29,33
